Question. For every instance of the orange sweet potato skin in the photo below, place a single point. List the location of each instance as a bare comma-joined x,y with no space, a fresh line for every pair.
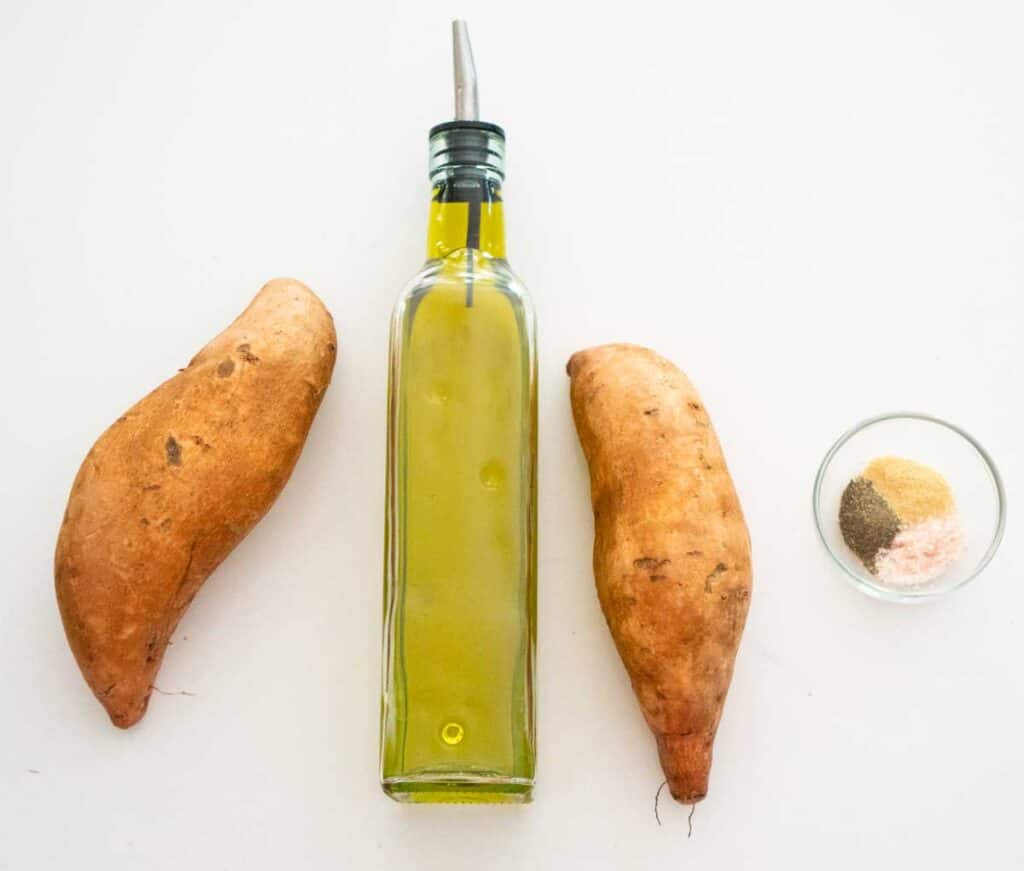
671,548
178,481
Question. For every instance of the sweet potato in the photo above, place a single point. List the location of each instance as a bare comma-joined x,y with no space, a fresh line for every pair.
671,549
177,482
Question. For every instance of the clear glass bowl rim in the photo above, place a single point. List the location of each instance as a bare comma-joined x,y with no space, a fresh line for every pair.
887,593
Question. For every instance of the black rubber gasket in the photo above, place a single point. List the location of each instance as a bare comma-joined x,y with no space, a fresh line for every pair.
466,125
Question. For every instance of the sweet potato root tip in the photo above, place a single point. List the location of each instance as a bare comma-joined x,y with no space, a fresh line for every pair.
686,761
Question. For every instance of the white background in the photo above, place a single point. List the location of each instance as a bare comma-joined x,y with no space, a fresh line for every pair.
816,209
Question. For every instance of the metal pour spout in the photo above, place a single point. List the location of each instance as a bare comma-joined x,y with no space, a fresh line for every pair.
467,103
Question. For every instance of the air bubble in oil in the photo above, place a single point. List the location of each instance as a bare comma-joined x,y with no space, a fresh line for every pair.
492,475
452,734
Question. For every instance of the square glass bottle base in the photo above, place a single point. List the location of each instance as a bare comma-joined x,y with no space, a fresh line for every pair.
449,788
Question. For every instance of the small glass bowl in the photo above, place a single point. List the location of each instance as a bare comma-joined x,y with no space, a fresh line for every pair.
972,476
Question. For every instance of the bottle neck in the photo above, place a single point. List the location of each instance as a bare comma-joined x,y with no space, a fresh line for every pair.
466,212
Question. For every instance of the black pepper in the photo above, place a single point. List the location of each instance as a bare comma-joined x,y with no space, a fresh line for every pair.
866,521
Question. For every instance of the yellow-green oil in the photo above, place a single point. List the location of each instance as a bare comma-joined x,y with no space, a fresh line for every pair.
459,587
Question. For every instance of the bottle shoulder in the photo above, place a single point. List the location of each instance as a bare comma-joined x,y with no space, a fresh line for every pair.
462,267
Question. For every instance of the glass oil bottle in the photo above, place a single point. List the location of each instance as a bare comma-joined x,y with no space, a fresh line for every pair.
457,720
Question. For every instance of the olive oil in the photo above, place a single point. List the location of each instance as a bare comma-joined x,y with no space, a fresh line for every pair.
459,603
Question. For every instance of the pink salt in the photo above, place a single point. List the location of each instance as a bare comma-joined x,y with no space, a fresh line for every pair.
921,552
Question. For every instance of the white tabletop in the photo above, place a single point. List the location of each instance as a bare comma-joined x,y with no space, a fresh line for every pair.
817,213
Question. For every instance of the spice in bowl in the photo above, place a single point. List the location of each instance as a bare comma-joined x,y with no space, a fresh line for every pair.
899,517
